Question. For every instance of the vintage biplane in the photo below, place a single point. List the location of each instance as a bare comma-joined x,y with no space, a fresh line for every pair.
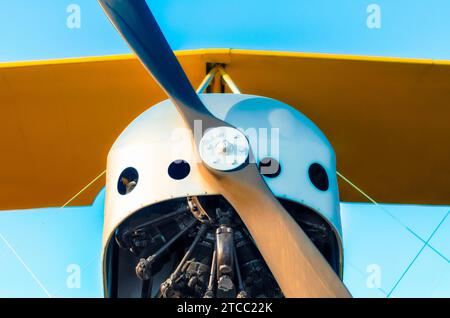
229,190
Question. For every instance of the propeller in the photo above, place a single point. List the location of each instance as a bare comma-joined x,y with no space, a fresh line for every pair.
226,163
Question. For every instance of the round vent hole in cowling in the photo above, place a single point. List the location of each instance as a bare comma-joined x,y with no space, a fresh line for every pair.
318,176
179,169
127,181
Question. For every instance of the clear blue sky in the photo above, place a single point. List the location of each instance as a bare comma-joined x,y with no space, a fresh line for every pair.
31,29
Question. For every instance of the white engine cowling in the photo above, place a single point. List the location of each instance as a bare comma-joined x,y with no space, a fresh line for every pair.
157,139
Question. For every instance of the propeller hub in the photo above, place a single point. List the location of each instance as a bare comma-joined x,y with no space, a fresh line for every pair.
224,148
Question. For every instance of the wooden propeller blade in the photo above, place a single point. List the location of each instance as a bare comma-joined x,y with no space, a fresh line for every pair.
297,265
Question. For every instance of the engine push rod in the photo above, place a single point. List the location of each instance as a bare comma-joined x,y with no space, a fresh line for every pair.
242,293
188,254
212,276
155,221
143,268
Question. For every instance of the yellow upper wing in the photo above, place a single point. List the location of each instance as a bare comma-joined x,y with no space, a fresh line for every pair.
387,118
